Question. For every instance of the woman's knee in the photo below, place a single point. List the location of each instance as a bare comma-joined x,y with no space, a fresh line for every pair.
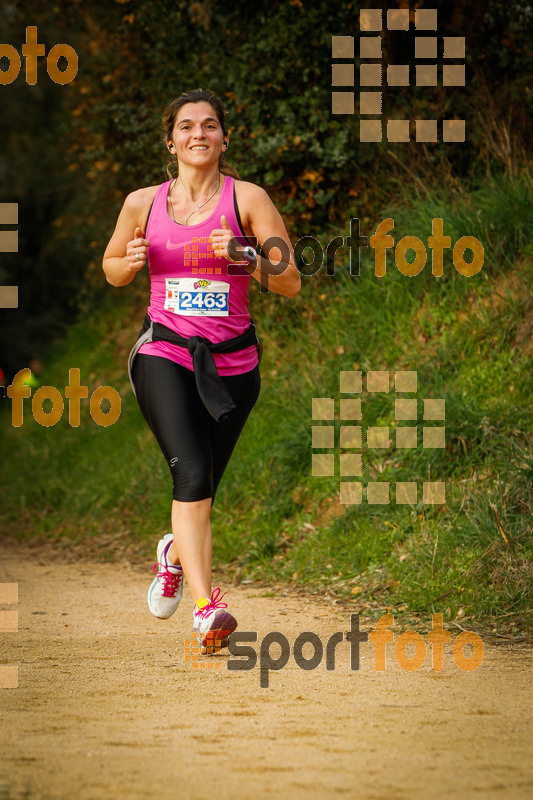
192,479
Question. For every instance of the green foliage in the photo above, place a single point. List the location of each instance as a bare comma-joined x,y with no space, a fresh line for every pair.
70,156
469,340
72,153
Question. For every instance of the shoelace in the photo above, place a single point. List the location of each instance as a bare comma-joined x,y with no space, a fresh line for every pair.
171,580
214,603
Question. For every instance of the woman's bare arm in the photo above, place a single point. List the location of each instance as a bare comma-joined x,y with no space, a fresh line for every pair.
260,215
119,262
266,223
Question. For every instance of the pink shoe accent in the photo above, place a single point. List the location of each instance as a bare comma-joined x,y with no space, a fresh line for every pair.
214,603
171,580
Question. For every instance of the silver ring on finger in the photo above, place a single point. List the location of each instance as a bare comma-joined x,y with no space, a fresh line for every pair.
137,257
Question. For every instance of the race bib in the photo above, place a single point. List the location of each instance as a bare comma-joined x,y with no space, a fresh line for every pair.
197,297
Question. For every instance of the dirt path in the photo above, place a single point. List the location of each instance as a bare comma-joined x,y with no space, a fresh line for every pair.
107,707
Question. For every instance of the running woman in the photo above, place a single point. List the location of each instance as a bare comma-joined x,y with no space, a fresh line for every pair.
195,366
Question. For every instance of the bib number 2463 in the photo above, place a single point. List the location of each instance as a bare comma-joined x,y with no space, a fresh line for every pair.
201,297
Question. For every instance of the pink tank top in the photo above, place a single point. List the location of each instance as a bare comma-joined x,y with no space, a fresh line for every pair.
191,290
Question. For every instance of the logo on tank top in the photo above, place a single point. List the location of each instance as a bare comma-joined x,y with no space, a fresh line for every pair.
198,255
172,246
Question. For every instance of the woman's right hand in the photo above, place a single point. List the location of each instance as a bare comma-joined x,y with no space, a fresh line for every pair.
137,251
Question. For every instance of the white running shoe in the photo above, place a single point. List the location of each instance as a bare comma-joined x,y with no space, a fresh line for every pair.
212,624
165,592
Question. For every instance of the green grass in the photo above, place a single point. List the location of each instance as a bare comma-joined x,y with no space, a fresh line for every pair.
469,339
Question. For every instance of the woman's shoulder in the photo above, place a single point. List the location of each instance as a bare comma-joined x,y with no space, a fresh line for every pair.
252,200
250,196
249,190
140,200
139,197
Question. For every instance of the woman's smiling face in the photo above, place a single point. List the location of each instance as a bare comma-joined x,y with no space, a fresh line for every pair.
197,135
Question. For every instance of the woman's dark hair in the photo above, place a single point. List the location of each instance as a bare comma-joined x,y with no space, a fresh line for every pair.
169,118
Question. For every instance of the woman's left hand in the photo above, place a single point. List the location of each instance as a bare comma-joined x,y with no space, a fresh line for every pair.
220,237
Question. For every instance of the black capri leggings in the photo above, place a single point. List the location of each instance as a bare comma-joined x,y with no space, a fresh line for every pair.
196,447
